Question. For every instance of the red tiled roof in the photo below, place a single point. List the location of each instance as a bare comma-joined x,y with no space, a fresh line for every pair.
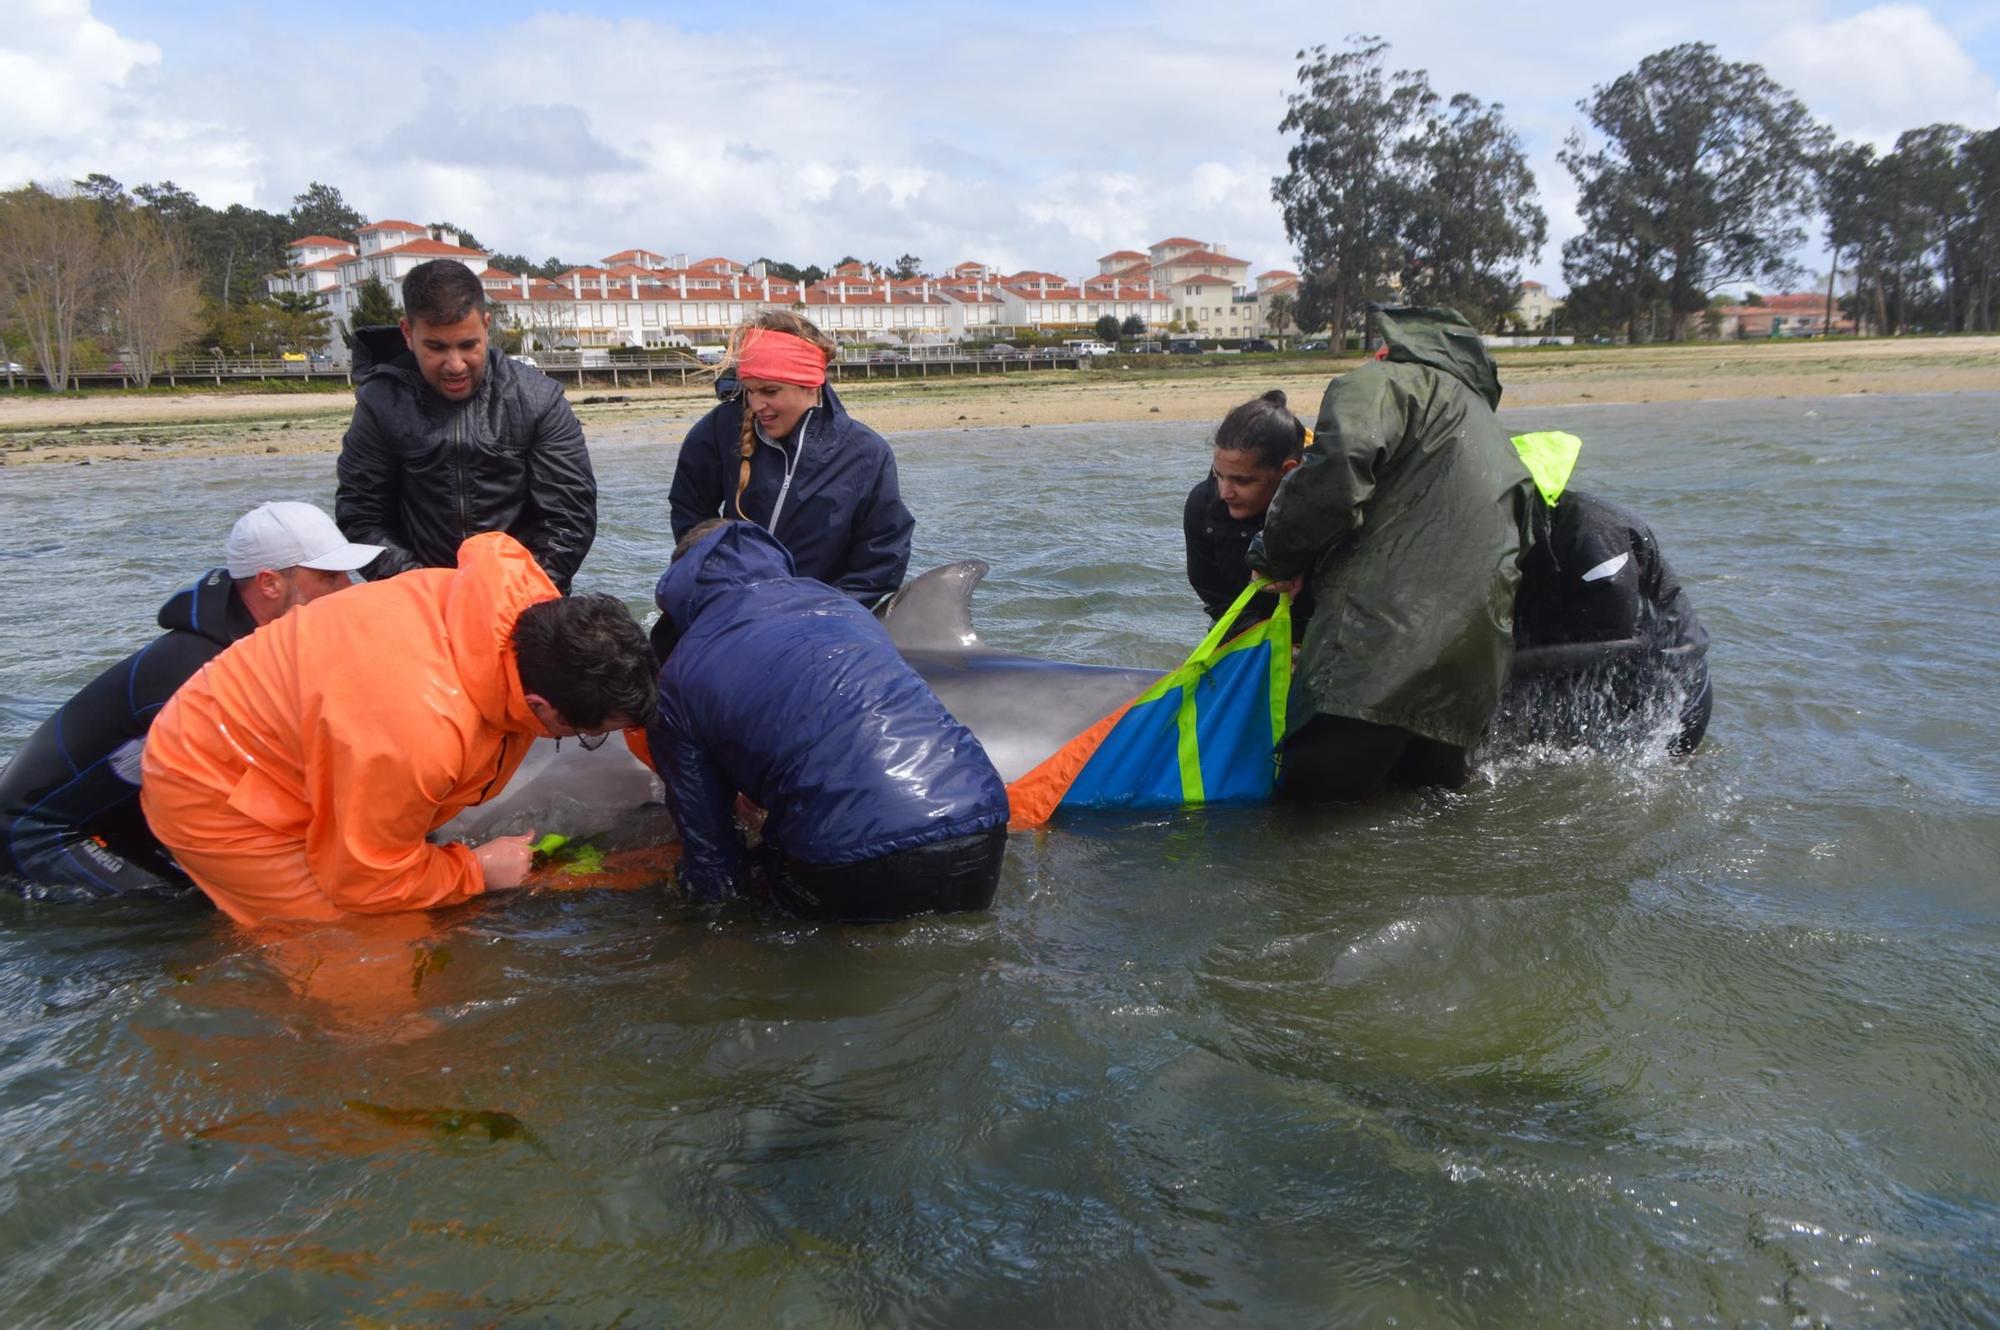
1202,279
1203,256
1033,291
321,265
1178,240
714,264
871,293
494,274
1286,272
1532,285
312,242
429,246
1110,289
632,254
1803,301
390,225
1120,254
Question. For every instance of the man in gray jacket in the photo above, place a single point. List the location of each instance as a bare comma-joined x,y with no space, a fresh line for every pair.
450,438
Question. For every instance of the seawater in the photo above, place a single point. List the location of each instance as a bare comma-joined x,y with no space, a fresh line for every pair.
1605,1038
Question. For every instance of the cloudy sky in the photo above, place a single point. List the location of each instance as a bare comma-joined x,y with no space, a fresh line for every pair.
1036,134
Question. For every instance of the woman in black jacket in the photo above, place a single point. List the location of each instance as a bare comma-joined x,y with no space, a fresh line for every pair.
1257,445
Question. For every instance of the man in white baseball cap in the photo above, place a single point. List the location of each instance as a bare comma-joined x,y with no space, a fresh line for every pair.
286,553
70,822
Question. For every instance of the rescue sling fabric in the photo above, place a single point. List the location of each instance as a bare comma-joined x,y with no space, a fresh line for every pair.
1205,733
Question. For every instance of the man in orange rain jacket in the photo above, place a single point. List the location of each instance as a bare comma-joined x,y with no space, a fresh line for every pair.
297,776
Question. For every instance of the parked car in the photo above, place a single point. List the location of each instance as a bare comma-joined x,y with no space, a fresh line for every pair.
1314,345
290,358
529,361
15,367
1259,344
1148,349
1184,346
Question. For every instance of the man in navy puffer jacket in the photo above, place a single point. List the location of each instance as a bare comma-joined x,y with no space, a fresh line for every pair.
880,804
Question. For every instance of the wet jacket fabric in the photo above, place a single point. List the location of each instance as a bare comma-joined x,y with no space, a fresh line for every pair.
299,774
1217,563
69,799
419,474
785,690
831,486
1596,575
1409,519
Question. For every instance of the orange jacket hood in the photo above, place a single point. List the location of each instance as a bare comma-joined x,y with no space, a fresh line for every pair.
495,580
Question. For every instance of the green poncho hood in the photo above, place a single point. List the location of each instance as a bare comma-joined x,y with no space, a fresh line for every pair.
1444,341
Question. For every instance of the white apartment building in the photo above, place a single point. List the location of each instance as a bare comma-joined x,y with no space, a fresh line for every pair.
639,297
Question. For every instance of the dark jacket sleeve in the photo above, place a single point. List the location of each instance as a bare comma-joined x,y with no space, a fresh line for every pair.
703,801
879,554
1203,574
696,494
564,491
1362,422
365,499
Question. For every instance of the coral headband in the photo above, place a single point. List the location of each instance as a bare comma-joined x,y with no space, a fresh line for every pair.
781,358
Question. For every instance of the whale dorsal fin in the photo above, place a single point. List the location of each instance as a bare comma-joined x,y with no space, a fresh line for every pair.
934,612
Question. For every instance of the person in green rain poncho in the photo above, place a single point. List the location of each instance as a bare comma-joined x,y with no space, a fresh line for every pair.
1408,520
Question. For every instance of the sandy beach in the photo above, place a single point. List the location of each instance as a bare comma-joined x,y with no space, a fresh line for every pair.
118,427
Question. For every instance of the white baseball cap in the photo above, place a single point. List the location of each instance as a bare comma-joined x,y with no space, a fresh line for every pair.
289,534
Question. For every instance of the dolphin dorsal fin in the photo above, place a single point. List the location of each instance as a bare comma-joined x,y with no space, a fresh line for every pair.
934,612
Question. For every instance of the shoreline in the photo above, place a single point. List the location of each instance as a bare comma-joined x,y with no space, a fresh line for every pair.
110,427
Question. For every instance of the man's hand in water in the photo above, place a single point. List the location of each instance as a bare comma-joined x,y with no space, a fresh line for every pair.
505,860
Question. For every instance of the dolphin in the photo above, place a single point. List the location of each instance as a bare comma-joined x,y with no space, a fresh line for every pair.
1020,708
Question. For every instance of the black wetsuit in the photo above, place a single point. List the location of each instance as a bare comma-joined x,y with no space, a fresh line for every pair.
1601,616
69,800
1215,567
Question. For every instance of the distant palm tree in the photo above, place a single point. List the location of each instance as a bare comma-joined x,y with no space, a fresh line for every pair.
1279,314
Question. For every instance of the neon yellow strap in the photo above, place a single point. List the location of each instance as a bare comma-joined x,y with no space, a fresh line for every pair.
1277,630
1550,457
1188,746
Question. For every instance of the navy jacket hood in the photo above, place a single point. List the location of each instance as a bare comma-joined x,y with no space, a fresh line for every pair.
725,560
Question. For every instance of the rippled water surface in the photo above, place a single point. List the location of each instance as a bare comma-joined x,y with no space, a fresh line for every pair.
1605,1038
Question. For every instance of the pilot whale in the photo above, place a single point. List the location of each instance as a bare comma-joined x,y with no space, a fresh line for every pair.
1021,709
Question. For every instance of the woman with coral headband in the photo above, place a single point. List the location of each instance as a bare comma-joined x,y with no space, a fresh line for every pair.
781,451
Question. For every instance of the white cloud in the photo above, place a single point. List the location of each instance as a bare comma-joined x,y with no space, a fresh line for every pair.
1032,138
60,69
1875,74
